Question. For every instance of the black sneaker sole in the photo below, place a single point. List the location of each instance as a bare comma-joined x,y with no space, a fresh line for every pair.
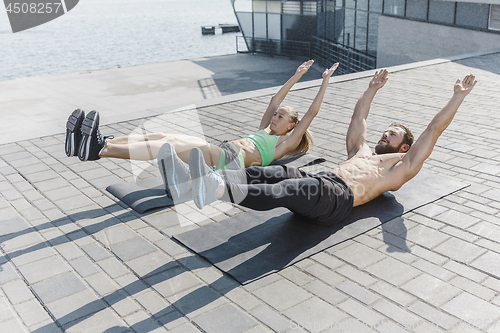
163,173
89,128
73,134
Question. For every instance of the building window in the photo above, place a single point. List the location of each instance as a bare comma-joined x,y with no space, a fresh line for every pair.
291,7
274,6
362,5
309,7
394,7
442,11
472,15
259,6
372,33
350,4
417,9
300,7
494,17
376,6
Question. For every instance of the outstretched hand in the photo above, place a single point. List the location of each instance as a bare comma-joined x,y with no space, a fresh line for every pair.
465,86
304,67
329,71
379,79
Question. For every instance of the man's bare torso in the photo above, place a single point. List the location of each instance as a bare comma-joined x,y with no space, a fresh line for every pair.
368,176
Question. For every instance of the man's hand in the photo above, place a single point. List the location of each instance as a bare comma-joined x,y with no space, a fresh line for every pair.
304,67
379,79
329,71
465,86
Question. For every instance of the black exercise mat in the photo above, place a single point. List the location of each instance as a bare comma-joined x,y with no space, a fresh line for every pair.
149,194
144,195
299,161
254,244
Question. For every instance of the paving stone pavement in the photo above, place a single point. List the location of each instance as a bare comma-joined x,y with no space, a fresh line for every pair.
75,259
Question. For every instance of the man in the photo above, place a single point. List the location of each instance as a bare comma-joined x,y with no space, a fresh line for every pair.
328,197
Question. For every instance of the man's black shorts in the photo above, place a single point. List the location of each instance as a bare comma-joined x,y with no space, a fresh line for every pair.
336,198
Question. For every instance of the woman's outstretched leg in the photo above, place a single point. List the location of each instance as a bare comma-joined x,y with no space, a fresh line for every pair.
82,134
148,150
133,138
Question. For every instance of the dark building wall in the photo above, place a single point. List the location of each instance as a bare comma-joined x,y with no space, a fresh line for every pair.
299,27
403,41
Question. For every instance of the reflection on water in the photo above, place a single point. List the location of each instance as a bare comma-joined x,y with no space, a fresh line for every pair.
115,33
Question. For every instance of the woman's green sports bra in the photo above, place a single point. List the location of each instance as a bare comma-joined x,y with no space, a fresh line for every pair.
265,143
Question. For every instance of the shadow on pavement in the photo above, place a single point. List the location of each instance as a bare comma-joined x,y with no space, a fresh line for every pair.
246,72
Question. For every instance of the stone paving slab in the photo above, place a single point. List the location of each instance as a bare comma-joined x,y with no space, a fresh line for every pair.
76,260
225,319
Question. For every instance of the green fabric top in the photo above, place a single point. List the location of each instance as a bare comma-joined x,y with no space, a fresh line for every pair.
265,143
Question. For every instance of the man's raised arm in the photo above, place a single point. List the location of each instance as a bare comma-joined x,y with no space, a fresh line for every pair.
356,134
412,162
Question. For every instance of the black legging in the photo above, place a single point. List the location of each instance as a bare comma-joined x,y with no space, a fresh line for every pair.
265,188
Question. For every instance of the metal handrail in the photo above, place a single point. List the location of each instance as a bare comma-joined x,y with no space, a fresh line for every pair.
350,60
324,52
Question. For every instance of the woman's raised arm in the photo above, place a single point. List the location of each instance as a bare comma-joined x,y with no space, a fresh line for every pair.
294,138
281,94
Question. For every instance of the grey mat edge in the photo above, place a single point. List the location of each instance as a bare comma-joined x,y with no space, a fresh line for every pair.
326,248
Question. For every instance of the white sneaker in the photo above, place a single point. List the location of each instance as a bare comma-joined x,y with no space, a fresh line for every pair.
174,171
205,181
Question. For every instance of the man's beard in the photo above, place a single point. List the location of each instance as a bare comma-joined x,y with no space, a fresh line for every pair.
386,149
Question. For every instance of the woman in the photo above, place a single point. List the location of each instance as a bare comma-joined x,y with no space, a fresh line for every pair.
270,143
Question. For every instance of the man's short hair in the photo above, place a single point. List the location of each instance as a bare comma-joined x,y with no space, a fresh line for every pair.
408,138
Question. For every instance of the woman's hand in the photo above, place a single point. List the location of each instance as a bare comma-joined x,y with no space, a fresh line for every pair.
304,67
281,94
329,71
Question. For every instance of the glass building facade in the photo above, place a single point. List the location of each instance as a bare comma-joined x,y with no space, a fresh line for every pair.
350,23
276,27
346,30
